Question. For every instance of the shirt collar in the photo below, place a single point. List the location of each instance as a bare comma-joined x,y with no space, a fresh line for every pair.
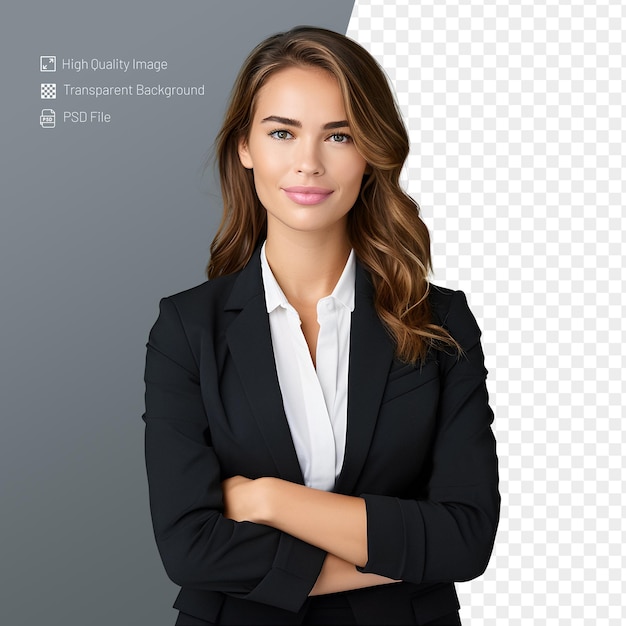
274,296
343,291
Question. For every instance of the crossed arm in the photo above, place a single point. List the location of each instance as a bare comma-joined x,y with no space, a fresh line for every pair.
446,534
333,522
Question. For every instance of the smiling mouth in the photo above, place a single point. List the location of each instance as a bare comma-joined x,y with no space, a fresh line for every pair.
307,195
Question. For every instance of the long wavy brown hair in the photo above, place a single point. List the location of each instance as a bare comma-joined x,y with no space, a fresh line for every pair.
385,229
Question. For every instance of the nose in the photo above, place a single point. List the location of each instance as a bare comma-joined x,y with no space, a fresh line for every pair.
308,159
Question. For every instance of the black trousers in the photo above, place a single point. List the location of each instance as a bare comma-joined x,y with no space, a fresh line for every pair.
324,610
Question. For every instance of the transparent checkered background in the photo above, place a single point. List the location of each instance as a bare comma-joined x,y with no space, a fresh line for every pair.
516,118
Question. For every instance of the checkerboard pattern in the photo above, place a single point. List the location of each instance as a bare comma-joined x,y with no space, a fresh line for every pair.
48,91
516,115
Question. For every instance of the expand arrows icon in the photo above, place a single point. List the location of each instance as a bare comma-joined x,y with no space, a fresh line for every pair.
48,64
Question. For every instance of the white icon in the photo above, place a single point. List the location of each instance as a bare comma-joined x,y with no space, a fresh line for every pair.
48,64
48,118
48,91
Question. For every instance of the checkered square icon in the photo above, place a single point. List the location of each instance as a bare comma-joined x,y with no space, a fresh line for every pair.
48,91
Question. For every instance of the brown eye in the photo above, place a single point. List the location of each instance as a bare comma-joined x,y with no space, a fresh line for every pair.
281,134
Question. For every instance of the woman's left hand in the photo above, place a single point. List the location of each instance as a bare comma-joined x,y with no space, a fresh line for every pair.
240,498
334,522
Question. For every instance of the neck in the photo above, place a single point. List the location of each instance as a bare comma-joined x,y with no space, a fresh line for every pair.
307,268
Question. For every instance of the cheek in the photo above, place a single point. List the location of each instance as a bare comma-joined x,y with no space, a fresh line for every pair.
267,184
350,168
263,174
353,176
269,165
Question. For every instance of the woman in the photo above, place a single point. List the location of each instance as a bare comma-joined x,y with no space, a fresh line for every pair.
318,437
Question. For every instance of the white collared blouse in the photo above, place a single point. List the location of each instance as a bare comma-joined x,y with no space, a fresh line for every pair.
315,398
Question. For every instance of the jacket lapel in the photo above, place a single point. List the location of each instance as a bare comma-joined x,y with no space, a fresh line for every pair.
371,355
250,343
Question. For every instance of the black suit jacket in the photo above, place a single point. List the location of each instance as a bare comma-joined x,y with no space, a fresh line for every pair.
419,450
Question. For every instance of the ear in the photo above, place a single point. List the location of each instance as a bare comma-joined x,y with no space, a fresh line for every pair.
244,154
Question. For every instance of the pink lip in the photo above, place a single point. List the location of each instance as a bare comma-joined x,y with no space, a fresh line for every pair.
307,195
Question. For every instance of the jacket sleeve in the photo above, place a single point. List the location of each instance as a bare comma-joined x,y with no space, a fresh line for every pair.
199,547
449,534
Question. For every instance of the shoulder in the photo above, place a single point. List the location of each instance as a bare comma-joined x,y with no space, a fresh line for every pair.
451,310
217,295
203,297
194,309
187,316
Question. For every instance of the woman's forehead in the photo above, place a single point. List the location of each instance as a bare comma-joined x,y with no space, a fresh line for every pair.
300,91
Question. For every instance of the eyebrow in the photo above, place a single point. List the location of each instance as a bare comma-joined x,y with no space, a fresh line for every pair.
291,122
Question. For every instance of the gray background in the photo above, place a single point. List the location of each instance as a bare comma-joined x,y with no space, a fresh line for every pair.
97,222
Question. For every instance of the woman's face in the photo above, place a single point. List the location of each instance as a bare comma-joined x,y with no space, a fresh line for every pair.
307,170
